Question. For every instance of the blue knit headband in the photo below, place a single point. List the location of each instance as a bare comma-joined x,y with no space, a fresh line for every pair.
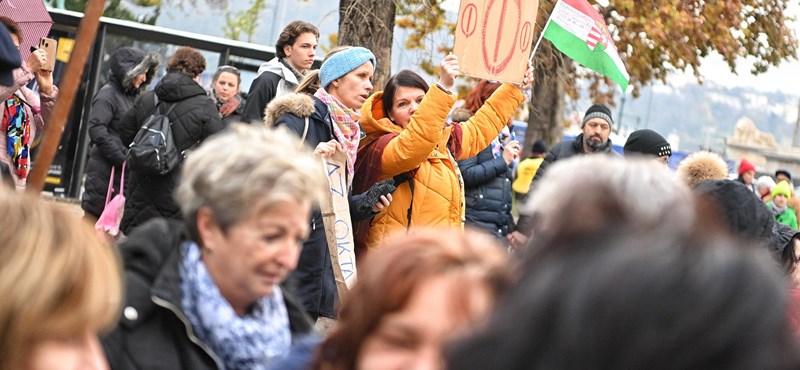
343,62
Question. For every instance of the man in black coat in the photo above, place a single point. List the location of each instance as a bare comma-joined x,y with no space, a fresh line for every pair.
596,127
131,70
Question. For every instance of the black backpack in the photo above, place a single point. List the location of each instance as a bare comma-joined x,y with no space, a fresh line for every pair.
153,150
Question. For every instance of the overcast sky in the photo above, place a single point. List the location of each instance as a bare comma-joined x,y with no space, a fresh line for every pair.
785,77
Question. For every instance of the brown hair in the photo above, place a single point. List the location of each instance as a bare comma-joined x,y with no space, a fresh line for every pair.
12,26
404,78
58,278
230,69
390,277
187,60
479,94
290,33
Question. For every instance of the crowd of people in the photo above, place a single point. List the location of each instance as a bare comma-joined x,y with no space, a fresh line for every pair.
470,254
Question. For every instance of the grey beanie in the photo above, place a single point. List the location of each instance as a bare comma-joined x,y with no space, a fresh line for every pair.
597,111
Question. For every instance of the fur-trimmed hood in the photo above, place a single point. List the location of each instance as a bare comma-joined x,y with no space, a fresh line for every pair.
702,166
300,105
127,63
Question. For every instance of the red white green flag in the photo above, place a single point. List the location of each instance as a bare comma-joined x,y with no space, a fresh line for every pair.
578,31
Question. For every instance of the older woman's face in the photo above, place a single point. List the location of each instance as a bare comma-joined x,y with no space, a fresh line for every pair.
413,337
256,254
82,353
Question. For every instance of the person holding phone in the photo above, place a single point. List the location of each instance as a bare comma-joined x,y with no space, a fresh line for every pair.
23,111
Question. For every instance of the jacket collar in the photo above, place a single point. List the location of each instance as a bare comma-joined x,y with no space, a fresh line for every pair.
166,285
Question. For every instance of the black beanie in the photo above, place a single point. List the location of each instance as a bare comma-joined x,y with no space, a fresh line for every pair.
539,147
647,142
784,172
597,111
743,211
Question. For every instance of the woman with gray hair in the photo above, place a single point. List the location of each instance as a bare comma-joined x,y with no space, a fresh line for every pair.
645,191
204,293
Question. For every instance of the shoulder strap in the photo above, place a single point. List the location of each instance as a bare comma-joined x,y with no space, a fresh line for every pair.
155,101
410,204
305,131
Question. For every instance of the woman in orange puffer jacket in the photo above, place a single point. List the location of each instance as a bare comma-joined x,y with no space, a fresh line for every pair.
408,139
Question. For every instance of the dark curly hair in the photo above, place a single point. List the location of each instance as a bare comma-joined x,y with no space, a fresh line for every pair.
188,61
290,33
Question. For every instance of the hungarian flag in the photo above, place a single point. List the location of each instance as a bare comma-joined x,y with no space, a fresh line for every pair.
578,31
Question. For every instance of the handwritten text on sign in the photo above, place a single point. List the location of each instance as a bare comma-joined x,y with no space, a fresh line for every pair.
500,48
336,217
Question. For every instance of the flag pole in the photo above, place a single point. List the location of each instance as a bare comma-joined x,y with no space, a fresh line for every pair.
541,35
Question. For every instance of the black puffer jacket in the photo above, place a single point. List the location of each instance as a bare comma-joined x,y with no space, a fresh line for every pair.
108,106
154,332
313,278
193,120
487,181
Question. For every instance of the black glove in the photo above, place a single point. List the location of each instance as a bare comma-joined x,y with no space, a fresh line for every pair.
373,196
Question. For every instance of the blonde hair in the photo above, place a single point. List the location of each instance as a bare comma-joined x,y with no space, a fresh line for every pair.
58,278
246,169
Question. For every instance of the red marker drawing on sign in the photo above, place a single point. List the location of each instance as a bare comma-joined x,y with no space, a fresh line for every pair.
493,67
525,39
469,21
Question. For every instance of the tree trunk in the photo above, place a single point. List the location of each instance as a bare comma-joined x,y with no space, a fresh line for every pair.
369,23
547,99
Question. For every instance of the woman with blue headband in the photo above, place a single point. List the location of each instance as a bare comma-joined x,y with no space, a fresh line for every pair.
327,122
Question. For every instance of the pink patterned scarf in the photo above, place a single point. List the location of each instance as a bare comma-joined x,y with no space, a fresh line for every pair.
345,127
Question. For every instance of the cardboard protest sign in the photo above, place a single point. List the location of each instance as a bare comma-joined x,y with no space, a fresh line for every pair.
338,228
493,38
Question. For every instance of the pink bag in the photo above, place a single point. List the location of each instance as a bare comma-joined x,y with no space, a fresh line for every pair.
111,217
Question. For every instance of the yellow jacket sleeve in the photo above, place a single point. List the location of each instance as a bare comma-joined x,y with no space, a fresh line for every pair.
487,122
414,144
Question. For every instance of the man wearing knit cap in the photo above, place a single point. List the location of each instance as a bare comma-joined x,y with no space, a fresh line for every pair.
596,127
747,175
649,143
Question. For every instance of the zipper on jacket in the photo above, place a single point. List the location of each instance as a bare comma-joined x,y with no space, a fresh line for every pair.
165,304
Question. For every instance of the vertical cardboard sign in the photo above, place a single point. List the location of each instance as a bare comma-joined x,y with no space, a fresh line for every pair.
494,37
338,228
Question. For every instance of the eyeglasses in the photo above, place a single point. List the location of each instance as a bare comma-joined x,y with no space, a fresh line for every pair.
229,69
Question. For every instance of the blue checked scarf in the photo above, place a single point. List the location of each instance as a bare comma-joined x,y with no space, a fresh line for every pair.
253,341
